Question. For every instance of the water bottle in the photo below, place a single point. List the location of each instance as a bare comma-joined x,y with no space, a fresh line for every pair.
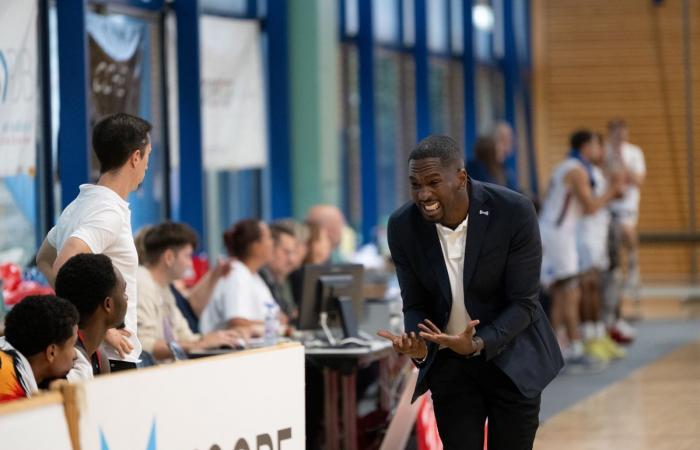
271,324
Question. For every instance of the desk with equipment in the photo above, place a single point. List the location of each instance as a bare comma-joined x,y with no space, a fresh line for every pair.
330,311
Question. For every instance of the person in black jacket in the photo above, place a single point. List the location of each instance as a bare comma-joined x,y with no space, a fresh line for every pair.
468,258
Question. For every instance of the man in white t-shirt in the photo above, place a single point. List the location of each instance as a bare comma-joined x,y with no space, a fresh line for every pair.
629,159
99,219
167,256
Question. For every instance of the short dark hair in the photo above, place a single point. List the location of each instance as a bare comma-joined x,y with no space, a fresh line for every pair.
485,149
160,238
580,138
39,321
278,229
85,280
116,137
437,146
241,236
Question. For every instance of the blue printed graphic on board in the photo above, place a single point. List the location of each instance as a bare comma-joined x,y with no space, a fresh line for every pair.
151,445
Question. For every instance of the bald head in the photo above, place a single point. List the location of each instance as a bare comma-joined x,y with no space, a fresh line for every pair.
330,218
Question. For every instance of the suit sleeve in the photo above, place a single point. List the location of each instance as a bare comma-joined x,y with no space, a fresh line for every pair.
413,293
522,282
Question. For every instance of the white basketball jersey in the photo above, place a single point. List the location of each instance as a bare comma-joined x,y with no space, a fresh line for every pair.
561,209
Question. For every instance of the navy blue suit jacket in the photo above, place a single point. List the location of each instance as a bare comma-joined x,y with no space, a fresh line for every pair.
502,260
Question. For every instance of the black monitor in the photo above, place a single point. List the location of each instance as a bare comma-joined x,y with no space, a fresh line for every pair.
334,289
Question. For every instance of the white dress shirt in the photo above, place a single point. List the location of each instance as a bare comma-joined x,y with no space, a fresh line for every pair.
453,243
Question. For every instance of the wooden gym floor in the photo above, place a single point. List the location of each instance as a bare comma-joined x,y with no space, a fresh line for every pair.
657,407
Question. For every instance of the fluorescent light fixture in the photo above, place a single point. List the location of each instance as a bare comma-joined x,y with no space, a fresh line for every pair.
482,16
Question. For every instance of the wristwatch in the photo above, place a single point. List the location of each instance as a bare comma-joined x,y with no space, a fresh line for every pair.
421,361
479,343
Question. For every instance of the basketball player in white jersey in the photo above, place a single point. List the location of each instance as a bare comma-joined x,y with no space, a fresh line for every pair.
568,199
592,246
625,212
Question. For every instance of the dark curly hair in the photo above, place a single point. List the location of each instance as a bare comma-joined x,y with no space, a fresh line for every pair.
39,321
86,280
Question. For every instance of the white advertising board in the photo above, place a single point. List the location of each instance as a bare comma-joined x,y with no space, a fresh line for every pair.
244,401
34,424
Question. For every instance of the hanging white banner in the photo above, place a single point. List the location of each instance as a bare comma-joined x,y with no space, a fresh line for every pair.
18,86
233,99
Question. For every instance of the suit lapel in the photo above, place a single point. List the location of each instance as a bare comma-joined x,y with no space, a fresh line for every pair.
479,215
431,247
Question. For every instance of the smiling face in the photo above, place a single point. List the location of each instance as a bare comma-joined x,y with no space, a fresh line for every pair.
439,190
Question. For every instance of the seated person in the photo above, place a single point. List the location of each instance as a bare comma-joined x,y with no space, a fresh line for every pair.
40,336
168,251
98,290
318,251
283,262
488,164
192,301
242,300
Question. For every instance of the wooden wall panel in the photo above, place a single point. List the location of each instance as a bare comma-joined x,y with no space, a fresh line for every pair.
594,60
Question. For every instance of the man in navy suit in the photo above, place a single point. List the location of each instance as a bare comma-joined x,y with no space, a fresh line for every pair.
468,258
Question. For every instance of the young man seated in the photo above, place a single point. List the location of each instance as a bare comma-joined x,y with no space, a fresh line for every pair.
168,251
40,335
98,290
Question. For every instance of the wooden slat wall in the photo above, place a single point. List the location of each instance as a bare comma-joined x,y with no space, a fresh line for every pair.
599,59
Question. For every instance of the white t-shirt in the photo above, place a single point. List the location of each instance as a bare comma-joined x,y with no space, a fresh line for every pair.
594,227
82,367
241,294
101,218
633,160
453,244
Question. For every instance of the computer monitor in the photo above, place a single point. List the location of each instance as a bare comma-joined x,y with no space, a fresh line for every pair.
333,289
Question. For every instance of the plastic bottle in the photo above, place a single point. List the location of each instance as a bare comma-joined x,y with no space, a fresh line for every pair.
271,324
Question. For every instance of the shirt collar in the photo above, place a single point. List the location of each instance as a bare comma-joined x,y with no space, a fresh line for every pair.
447,231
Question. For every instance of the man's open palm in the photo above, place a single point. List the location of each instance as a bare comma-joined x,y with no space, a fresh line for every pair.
408,344
461,343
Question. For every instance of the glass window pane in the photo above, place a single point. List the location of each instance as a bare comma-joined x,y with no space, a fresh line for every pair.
499,48
437,25
520,25
438,85
489,93
224,7
232,195
352,18
388,125
385,21
350,131
456,8
409,23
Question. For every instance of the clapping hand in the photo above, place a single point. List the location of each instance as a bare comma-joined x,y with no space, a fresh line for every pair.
462,343
408,344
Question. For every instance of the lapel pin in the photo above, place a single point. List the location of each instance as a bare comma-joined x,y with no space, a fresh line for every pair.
481,211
